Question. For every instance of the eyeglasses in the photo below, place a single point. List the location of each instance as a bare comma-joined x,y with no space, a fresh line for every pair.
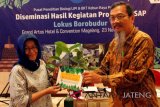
118,17
29,49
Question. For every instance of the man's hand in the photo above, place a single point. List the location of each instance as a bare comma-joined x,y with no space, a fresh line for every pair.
111,80
114,79
90,77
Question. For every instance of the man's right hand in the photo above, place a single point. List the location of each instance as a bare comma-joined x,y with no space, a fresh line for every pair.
90,77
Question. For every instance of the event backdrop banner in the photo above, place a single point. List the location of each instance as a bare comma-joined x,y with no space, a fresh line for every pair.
71,21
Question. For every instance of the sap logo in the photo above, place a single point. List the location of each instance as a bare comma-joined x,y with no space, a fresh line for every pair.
76,1
154,1
140,12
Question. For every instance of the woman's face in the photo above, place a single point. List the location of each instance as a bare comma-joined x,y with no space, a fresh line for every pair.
31,50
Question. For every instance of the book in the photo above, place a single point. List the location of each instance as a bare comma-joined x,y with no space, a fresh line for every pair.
70,78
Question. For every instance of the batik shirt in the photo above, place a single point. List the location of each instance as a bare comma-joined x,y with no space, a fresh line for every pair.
23,83
135,88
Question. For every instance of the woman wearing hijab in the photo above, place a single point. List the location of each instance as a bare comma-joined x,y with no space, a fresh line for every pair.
29,84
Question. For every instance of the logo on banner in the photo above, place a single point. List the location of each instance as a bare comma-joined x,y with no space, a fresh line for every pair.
154,1
76,1
13,3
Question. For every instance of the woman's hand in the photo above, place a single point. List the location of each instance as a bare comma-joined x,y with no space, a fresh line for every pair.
53,89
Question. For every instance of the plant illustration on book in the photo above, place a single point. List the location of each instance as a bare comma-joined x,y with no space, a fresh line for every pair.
70,61
70,78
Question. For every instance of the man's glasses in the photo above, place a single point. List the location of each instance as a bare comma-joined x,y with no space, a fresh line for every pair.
118,17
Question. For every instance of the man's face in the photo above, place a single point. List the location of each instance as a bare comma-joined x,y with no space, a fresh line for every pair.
119,19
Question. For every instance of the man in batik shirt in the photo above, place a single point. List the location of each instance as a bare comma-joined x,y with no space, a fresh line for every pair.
128,62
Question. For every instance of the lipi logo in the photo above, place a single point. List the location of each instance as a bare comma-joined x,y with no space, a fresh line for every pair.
76,1
154,1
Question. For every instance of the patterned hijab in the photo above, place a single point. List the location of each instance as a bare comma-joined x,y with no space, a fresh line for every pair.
22,58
